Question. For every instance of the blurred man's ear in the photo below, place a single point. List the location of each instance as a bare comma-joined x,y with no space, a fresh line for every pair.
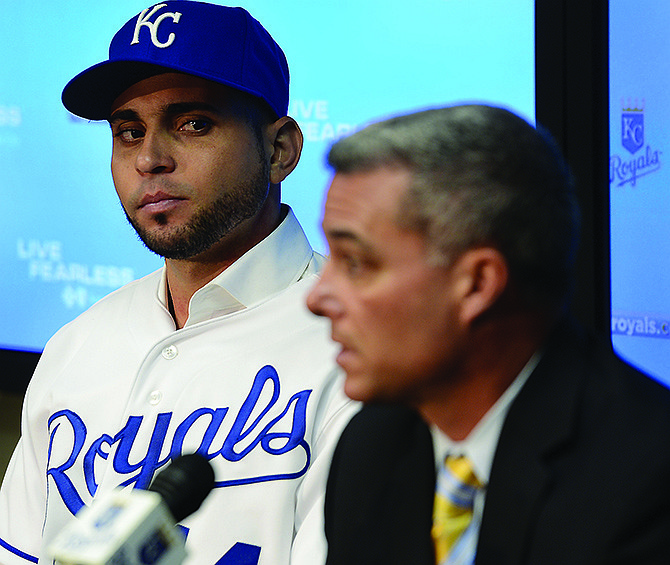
482,276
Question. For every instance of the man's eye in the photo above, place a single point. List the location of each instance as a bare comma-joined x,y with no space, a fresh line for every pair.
353,265
129,135
198,125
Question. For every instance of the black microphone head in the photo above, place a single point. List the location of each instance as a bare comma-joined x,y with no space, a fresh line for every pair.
184,484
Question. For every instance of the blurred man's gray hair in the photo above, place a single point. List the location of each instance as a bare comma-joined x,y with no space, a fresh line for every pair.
481,176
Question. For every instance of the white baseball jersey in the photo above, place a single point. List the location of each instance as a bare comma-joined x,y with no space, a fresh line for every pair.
118,393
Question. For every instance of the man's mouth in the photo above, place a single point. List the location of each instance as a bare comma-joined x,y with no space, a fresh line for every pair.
159,202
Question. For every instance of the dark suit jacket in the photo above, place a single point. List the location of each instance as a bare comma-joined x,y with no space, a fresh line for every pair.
581,474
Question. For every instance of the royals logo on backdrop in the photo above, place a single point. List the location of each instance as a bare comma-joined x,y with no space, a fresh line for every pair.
632,129
641,159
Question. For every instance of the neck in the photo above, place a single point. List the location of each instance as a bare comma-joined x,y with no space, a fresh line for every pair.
496,354
186,276
183,281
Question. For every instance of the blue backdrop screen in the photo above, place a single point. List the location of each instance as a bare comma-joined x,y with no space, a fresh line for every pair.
640,183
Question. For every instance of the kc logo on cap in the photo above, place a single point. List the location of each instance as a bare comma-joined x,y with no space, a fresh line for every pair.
144,19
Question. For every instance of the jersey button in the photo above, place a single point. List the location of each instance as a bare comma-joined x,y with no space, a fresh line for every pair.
170,352
155,397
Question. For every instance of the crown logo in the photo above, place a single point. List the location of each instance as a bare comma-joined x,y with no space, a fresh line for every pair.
628,106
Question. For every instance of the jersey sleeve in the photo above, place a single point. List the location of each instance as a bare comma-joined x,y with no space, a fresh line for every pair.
23,497
24,491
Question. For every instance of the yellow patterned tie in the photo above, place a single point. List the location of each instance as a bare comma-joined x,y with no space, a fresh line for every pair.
452,512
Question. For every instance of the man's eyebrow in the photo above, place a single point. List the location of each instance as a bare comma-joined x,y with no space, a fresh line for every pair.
339,233
344,235
120,115
173,109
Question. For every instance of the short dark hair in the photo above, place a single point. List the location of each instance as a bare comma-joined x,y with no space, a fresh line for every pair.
480,176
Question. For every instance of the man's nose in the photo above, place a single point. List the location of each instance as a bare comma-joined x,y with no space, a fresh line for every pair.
155,154
322,299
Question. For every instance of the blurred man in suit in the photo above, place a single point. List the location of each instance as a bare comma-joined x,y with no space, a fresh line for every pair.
452,235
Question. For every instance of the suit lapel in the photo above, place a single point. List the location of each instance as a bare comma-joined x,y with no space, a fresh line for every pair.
540,420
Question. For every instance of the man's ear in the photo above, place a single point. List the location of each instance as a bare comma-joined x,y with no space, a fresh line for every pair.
482,276
285,147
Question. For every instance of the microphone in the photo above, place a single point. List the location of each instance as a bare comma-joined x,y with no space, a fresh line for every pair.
134,526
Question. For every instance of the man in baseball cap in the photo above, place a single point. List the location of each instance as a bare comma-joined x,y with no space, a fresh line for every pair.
215,352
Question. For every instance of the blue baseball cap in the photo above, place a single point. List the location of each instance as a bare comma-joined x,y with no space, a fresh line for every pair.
218,43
